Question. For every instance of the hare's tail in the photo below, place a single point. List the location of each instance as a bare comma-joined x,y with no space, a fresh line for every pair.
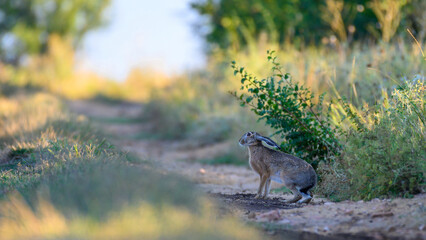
306,189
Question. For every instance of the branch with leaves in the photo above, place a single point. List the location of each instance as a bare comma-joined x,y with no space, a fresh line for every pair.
289,107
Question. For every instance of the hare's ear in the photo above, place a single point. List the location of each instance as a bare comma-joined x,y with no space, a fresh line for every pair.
268,141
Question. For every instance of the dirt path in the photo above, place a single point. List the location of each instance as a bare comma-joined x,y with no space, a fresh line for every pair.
322,219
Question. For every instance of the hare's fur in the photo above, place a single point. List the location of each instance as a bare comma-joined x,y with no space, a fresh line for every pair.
293,172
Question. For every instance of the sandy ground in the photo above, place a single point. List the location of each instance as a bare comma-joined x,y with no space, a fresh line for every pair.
234,187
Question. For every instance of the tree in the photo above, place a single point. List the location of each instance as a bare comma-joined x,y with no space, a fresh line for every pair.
238,23
235,23
25,25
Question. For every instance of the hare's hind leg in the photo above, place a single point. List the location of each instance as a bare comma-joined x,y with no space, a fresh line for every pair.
306,196
297,196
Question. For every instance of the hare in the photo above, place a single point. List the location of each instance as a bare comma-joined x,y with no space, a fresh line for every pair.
293,172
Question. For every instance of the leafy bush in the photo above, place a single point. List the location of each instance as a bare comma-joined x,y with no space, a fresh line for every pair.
291,109
387,155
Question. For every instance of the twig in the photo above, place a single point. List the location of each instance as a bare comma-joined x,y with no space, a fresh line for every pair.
418,44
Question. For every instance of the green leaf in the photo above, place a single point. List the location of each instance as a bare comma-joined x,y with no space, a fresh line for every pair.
287,76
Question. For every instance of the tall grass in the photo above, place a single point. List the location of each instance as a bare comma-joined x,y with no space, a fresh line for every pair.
385,156
359,73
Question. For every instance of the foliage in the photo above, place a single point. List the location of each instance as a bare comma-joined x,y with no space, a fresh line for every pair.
239,23
26,24
388,14
291,109
387,156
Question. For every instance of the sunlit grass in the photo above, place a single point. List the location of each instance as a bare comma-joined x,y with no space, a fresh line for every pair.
142,221
59,179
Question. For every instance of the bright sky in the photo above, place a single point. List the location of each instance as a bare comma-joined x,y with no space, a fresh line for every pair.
143,33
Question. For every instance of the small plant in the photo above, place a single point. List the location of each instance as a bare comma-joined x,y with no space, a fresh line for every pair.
291,109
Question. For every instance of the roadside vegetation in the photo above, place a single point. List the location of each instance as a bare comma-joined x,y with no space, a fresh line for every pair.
59,178
372,151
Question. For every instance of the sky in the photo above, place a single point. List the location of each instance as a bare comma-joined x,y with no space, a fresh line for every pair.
155,34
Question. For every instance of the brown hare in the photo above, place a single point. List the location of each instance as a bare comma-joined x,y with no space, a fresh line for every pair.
293,172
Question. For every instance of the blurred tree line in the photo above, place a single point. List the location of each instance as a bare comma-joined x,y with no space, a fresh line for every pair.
237,23
26,25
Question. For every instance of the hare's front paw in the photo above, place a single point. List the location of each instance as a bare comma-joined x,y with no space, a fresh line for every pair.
258,196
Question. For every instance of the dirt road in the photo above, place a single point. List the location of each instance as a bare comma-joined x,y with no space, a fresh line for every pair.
234,186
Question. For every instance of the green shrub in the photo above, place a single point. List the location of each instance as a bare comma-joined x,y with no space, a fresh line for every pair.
387,157
292,110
